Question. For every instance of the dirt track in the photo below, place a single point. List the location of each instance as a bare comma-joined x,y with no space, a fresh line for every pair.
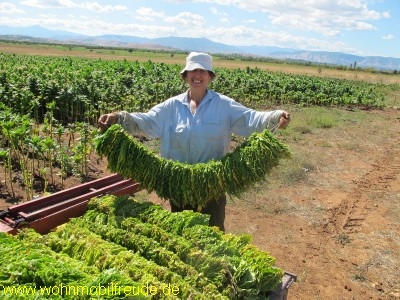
339,231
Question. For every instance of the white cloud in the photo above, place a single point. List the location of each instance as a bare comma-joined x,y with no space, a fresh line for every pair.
48,3
221,16
246,36
216,12
65,3
96,27
388,37
326,17
95,6
330,20
187,19
91,6
147,14
90,26
314,23
9,9
307,24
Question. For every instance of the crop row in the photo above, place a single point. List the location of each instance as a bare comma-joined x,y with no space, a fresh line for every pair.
82,88
46,154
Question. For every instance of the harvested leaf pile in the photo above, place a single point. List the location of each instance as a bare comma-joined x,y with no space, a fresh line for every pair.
194,184
122,243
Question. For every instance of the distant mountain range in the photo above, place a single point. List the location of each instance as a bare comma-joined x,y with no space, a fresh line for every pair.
199,44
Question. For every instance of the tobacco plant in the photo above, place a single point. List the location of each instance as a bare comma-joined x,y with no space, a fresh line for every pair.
141,244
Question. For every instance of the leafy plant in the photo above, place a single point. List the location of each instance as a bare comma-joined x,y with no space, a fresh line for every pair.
139,244
6,158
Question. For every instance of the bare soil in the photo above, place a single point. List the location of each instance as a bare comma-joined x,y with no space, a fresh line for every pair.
337,230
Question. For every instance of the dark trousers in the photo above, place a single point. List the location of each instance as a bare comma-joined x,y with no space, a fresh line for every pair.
214,208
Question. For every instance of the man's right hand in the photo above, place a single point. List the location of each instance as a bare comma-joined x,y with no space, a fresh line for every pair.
107,120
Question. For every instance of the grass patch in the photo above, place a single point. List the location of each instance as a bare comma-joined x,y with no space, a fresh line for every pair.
324,122
309,120
360,277
392,94
293,171
306,120
343,238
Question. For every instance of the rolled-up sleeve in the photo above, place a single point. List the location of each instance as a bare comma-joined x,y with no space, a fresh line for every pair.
150,123
272,118
246,121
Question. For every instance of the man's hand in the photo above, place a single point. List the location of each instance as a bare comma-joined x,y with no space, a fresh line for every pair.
107,120
284,120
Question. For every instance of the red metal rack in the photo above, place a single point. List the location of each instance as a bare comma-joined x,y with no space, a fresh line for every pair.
45,213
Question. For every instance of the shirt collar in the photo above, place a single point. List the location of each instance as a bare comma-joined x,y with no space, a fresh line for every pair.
185,99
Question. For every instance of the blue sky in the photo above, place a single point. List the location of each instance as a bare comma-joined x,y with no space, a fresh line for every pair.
361,27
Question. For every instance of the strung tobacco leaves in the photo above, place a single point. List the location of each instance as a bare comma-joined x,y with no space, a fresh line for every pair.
194,184
124,249
210,259
29,269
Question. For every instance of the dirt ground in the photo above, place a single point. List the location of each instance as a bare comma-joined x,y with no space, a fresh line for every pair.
352,249
338,230
338,227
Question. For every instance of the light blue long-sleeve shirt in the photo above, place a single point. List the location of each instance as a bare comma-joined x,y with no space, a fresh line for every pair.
201,136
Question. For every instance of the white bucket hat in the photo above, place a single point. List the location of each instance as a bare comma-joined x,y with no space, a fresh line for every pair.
198,60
